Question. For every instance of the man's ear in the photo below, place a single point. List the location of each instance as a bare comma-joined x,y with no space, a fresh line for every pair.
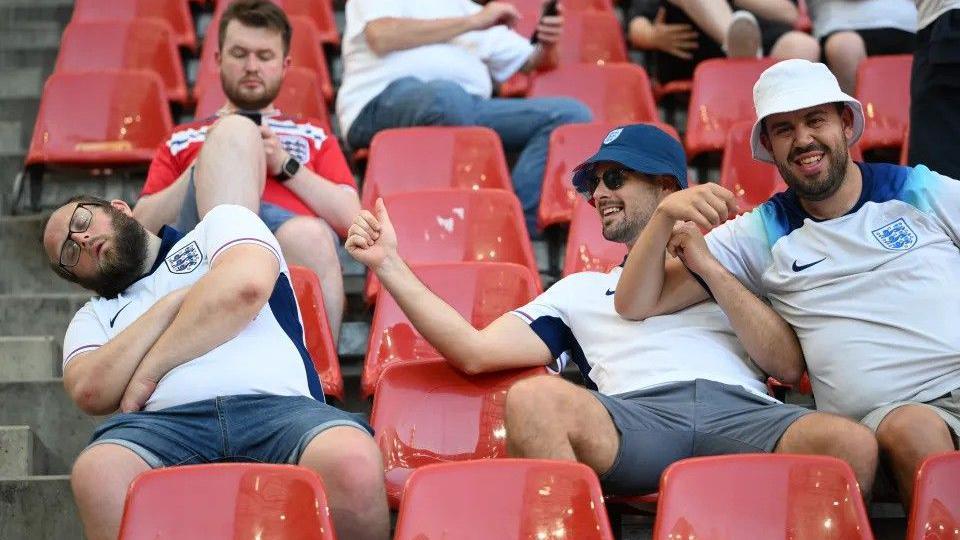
846,117
122,206
765,142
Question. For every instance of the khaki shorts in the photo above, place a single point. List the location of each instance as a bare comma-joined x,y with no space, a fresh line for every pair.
946,406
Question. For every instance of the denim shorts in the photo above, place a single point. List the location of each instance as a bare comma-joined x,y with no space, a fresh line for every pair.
251,428
272,215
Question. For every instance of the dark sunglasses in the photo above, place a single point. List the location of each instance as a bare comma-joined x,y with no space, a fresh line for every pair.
80,221
613,178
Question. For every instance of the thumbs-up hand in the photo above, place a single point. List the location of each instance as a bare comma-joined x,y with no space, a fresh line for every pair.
371,238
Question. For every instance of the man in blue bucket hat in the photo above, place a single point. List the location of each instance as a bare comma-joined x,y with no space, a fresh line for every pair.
658,390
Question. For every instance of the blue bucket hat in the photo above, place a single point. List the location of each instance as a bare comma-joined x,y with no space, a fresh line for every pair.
639,147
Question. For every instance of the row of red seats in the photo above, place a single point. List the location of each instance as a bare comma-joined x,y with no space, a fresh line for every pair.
735,496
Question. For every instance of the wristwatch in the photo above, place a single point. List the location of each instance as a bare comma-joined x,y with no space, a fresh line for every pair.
290,169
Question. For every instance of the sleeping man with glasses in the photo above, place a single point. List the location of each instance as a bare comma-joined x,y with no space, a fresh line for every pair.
658,390
197,339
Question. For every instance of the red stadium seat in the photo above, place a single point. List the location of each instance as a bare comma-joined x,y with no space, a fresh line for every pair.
318,11
750,180
592,37
316,330
883,88
227,500
761,496
506,499
616,92
905,149
456,225
175,12
935,512
480,292
305,52
569,146
407,159
134,44
123,118
587,249
427,412
722,95
299,97
530,12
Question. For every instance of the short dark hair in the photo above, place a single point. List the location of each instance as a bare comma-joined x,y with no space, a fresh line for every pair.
79,199
256,14
840,105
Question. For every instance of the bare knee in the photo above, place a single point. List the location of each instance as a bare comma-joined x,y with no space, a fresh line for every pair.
535,397
350,465
907,425
844,48
235,130
310,241
797,45
104,467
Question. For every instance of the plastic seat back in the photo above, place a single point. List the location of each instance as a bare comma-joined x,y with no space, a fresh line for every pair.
480,292
570,145
507,499
935,512
591,37
587,249
175,12
761,496
316,330
530,11
227,500
127,45
616,92
457,225
750,180
417,158
123,118
883,88
426,412
318,11
722,95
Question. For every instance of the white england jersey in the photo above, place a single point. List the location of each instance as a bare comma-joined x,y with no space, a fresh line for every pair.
576,319
873,294
267,357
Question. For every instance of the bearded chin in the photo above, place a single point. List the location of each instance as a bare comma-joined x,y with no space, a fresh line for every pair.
125,264
818,190
250,103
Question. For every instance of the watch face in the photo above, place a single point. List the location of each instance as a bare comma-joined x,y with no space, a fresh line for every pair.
291,167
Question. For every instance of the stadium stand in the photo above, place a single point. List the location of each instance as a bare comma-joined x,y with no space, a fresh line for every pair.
752,181
883,87
508,498
427,412
227,500
480,292
613,92
316,330
933,513
174,12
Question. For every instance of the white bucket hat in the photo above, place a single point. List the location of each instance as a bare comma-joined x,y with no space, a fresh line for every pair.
796,84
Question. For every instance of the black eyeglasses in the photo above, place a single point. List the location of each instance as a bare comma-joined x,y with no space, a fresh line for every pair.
79,222
613,178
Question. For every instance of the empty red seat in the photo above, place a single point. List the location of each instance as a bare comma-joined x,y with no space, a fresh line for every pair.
615,92
530,11
304,52
174,12
456,225
299,97
316,330
427,412
227,500
935,512
750,180
883,88
592,37
761,496
124,45
480,292
587,249
121,119
506,499
320,12
417,158
722,95
569,146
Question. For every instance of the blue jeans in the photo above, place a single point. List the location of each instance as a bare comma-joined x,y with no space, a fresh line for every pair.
524,125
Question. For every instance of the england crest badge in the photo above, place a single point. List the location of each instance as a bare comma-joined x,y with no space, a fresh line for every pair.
185,259
896,236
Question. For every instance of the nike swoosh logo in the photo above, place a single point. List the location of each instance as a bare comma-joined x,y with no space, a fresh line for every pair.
609,292
114,319
799,267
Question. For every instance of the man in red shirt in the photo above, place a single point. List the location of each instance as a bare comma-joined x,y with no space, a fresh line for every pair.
309,196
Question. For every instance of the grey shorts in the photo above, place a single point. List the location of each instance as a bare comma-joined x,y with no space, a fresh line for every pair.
675,421
946,406
272,215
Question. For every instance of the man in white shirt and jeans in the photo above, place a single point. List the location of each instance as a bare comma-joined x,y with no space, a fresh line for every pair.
430,62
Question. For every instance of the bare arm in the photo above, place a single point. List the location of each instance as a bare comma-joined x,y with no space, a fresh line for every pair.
506,343
784,11
95,381
679,40
766,336
158,209
218,307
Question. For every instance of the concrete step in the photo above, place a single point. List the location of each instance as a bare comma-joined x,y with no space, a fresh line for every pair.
38,508
43,314
11,137
29,358
35,34
16,451
61,430
21,11
21,82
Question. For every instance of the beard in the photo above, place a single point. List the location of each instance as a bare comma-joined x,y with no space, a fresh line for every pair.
251,100
817,189
629,227
124,263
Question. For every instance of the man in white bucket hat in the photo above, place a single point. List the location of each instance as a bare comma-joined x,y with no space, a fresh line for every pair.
860,258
